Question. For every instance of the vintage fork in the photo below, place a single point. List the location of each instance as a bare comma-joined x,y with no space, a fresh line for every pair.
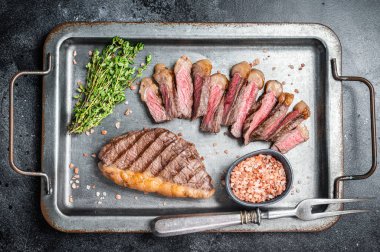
184,224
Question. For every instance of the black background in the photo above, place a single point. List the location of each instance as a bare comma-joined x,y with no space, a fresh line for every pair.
24,26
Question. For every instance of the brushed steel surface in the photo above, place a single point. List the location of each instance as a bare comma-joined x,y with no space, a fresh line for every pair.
315,163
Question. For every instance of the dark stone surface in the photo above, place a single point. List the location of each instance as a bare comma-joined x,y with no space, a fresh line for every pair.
24,26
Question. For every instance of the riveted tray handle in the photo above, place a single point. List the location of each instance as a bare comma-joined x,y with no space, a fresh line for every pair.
11,126
339,180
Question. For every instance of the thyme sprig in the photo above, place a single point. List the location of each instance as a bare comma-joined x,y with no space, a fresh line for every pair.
109,74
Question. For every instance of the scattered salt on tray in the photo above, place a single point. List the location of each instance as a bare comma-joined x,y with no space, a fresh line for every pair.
257,179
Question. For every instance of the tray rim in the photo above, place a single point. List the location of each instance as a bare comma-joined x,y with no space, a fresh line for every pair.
57,35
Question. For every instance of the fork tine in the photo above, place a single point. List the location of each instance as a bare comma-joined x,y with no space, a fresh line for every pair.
335,201
336,213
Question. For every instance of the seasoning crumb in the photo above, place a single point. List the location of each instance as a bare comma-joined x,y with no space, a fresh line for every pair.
74,62
296,91
288,74
214,144
225,133
180,134
71,181
87,133
85,154
283,83
73,185
291,83
126,102
300,68
89,53
164,203
117,125
77,181
88,187
297,190
273,68
291,66
142,64
223,182
128,112
136,197
302,65
97,194
99,202
133,87
237,156
104,132
71,199
202,158
118,196
71,165
226,151
265,50
92,131
93,155
74,53
299,181
216,153
76,170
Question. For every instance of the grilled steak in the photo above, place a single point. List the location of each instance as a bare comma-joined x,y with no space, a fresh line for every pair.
184,87
239,74
291,139
245,100
165,78
201,71
300,113
211,121
150,95
262,108
270,125
156,160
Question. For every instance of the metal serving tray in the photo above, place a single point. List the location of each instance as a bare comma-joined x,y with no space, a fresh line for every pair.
316,163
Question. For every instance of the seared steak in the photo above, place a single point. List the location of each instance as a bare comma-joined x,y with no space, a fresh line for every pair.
245,100
184,87
262,108
239,74
201,77
300,113
150,95
291,139
211,121
156,160
270,125
165,78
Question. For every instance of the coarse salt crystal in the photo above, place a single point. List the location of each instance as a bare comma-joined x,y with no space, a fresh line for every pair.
117,125
71,165
74,53
74,62
117,196
88,187
104,194
97,194
73,186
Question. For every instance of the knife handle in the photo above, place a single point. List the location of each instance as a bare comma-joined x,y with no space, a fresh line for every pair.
192,223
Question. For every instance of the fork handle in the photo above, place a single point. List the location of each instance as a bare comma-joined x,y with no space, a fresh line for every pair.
192,223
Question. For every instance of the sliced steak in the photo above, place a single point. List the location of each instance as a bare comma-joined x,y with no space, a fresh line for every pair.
201,71
218,85
270,125
184,87
262,108
150,95
239,74
300,113
291,139
165,79
245,100
156,160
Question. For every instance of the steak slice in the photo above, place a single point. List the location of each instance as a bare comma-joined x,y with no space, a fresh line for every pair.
245,100
218,84
300,113
165,79
184,87
159,161
150,95
270,125
291,139
201,71
262,108
239,74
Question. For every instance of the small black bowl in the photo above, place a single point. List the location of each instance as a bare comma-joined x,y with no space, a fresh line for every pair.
288,171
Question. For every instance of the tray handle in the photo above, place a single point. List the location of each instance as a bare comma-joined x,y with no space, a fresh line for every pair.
11,126
339,180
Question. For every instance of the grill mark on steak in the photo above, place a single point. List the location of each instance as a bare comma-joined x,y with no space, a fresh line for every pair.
134,151
211,121
150,95
187,172
115,148
184,87
239,74
200,179
201,74
152,151
269,126
165,78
